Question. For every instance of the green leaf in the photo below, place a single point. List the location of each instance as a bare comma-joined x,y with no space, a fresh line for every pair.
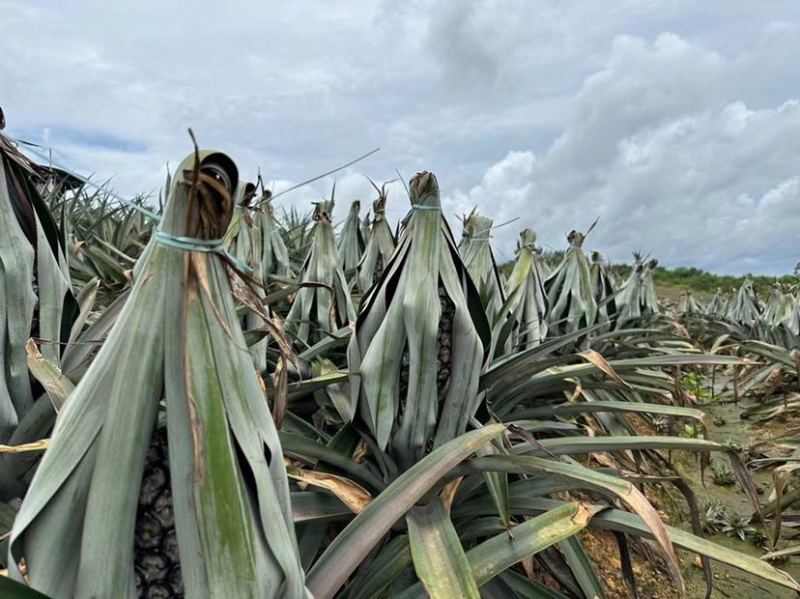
318,506
504,550
632,524
57,386
307,449
525,588
580,445
320,381
497,482
85,299
621,521
355,542
585,407
581,567
224,514
439,558
11,589
53,286
624,490
390,563
17,304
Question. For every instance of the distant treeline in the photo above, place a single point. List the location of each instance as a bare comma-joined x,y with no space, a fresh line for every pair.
693,279
696,279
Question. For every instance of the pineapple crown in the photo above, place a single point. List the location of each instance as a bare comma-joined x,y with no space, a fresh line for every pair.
264,204
476,227
379,204
424,191
212,185
212,180
527,240
246,195
379,207
575,238
323,211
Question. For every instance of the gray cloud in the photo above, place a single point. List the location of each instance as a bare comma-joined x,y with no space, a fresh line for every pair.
674,122
656,147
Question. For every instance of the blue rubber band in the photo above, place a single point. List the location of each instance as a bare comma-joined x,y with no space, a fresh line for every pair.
190,244
206,246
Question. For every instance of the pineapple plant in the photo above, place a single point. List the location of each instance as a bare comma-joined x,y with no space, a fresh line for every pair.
716,304
777,317
604,287
722,475
297,232
572,304
521,323
422,462
36,298
402,417
636,299
351,243
736,525
778,306
650,296
274,259
244,242
322,304
689,305
476,253
713,516
745,307
366,226
791,324
243,236
42,314
426,310
83,532
380,243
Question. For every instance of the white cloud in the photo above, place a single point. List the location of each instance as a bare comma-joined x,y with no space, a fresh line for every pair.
655,148
672,121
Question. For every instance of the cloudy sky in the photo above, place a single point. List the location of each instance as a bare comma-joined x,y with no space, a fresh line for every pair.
676,122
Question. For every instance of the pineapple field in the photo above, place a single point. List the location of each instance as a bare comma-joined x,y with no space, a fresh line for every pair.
207,395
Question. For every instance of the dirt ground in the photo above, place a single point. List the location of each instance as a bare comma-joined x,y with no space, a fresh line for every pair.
651,578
